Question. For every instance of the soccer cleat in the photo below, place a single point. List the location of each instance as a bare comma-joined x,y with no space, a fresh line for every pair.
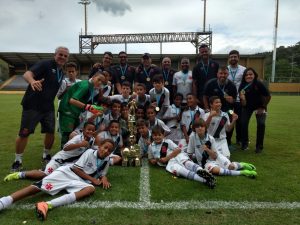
209,178
12,176
249,173
46,159
41,210
247,166
244,147
16,166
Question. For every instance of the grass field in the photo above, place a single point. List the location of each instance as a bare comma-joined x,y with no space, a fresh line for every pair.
149,195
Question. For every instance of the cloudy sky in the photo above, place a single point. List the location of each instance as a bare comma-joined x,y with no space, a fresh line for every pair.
246,25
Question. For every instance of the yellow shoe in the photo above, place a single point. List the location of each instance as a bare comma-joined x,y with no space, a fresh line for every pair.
41,210
12,176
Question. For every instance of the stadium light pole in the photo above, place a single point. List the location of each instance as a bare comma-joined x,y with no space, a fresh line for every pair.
204,15
275,41
85,3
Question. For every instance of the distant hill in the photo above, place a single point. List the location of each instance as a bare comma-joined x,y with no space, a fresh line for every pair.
287,63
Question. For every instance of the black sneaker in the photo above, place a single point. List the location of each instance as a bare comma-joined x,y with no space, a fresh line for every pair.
258,150
210,179
45,161
244,147
16,166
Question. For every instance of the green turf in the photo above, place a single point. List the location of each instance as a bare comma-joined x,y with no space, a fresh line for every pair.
277,181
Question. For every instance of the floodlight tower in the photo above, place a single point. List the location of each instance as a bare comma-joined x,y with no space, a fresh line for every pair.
204,15
275,41
85,3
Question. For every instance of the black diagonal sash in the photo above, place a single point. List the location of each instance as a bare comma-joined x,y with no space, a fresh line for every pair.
117,143
161,100
220,127
205,155
164,149
99,169
196,117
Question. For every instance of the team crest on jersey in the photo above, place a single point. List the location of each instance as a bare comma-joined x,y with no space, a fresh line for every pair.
48,186
50,170
90,164
53,70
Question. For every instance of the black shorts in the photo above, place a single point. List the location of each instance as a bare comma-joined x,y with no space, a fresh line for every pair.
30,119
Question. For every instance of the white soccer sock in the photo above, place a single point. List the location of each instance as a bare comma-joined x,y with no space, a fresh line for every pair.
19,157
5,202
226,172
189,174
63,200
236,165
192,166
46,152
111,161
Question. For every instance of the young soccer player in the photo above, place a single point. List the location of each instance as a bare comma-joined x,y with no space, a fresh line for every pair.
140,112
75,102
164,152
113,133
151,116
172,119
218,123
159,95
145,136
77,180
190,115
203,147
142,99
125,96
114,114
71,152
71,71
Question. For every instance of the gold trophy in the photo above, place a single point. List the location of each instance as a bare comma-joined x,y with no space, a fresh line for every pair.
132,156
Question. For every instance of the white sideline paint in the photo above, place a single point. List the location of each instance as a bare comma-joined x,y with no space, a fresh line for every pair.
144,182
144,201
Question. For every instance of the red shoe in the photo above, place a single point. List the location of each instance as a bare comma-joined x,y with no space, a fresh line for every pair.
41,210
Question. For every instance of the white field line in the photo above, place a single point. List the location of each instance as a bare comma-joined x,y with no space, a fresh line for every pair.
144,182
144,201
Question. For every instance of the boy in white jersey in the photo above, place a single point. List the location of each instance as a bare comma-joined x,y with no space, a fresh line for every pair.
159,95
218,123
125,96
71,71
166,153
114,134
78,180
114,113
190,115
153,121
202,146
145,136
71,152
172,119
142,99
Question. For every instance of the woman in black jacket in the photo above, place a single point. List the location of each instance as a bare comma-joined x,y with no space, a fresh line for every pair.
254,97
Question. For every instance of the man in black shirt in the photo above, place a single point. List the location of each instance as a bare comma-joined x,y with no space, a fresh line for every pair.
44,79
205,70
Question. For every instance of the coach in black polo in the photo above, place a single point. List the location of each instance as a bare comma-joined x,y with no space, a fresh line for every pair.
44,79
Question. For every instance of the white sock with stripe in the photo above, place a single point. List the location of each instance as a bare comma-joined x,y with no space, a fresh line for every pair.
5,202
63,200
226,172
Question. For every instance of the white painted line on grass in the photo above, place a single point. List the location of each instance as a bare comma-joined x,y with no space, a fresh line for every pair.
144,182
178,205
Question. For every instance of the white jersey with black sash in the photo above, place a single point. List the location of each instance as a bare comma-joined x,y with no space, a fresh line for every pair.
217,126
92,165
196,144
189,116
157,151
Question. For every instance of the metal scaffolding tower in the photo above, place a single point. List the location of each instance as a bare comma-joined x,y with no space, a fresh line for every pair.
87,43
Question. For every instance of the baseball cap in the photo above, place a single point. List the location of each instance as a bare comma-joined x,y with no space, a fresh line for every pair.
146,56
